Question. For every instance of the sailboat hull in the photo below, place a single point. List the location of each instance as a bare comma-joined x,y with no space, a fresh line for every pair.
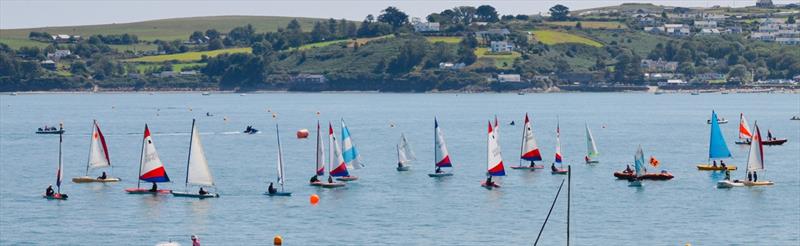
559,171
403,168
528,167
57,196
729,184
194,195
278,194
489,187
87,179
758,183
706,167
315,183
347,178
439,175
592,162
333,185
146,191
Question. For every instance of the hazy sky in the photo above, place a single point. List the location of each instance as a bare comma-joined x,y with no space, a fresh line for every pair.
37,13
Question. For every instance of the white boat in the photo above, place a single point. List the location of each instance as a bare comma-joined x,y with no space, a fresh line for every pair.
441,157
98,157
280,169
755,163
591,152
197,171
494,160
405,154
529,150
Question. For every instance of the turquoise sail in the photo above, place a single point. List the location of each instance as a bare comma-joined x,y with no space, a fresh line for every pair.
717,149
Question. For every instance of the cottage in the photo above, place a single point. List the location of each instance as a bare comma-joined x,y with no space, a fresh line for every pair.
450,65
420,26
705,24
509,78
679,30
659,65
58,54
501,46
188,73
64,38
709,31
48,64
309,78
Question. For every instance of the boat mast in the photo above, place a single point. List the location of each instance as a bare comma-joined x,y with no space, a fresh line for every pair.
280,157
435,148
316,151
91,140
60,141
141,156
522,144
189,159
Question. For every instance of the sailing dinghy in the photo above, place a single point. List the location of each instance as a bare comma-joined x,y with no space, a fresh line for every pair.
755,162
744,130
280,169
319,171
591,152
59,174
494,160
529,150
151,169
335,157
405,154
717,148
197,171
558,159
98,157
441,157
638,167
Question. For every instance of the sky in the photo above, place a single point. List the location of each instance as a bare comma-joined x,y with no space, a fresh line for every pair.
41,13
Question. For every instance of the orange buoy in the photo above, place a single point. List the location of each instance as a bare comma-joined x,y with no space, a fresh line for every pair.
277,240
302,133
314,199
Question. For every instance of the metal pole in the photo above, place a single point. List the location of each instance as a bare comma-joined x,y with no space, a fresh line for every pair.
548,213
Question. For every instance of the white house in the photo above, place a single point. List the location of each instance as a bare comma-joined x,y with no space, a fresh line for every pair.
705,24
58,54
509,78
501,46
420,26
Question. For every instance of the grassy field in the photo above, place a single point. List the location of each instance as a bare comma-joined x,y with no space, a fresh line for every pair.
590,24
189,56
550,37
350,42
504,61
449,40
165,29
141,68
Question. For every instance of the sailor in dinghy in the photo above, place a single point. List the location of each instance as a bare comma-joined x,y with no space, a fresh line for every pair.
335,157
271,191
49,193
320,159
151,169
405,154
529,150
755,162
98,158
494,160
441,157
197,171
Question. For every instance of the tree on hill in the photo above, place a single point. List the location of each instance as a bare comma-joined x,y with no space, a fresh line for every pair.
320,33
466,49
487,13
791,20
559,13
411,53
212,34
294,26
197,36
464,14
393,17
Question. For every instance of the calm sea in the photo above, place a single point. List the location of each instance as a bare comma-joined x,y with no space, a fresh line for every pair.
387,207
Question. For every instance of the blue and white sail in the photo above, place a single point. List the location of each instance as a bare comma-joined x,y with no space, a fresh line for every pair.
639,162
350,153
717,148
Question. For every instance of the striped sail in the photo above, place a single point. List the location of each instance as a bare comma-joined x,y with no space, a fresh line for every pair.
494,159
744,128
197,171
336,157
530,150
349,151
558,144
639,162
755,159
441,155
98,151
151,168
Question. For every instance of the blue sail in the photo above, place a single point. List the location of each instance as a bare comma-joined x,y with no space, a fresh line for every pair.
717,148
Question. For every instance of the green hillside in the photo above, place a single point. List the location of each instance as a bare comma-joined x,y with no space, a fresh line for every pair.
165,29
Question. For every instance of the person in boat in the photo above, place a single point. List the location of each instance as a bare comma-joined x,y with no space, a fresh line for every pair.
749,176
271,189
40,129
727,174
202,191
512,123
627,169
532,165
715,164
102,176
489,181
314,179
722,165
195,241
49,191
755,176
553,167
330,179
154,188
208,114
438,170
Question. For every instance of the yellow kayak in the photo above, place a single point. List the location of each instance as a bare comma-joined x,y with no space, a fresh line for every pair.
707,167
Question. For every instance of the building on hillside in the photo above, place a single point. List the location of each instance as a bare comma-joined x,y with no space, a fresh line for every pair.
797,78
658,65
709,31
646,20
776,30
788,41
58,54
765,4
450,65
501,46
309,78
509,78
679,30
420,26
705,24
48,64
188,73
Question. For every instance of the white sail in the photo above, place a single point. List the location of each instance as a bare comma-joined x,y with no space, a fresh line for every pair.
404,152
441,156
198,172
320,153
494,158
755,159
280,157
151,164
529,150
98,151
590,145
744,128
